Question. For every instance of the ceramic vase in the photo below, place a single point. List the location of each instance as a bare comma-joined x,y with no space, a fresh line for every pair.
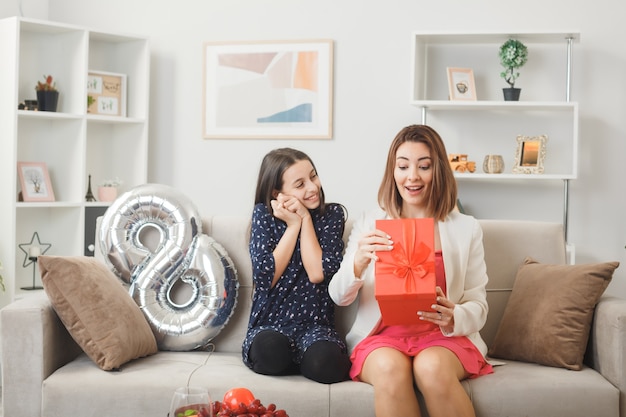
493,164
107,193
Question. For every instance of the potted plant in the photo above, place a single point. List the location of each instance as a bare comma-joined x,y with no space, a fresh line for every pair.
47,94
107,191
513,55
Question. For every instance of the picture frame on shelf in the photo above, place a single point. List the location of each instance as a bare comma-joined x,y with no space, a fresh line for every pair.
106,93
461,85
35,181
274,90
530,154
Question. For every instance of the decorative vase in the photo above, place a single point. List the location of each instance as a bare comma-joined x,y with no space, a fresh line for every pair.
107,193
493,164
47,100
511,94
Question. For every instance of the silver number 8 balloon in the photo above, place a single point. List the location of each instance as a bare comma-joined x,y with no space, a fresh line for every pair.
184,281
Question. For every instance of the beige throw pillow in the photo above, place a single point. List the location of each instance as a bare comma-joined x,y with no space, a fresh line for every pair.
97,310
548,316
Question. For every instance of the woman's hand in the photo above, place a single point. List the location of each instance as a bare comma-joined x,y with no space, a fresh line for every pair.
443,314
369,244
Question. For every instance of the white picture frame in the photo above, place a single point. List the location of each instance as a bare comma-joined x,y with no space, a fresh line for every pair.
530,154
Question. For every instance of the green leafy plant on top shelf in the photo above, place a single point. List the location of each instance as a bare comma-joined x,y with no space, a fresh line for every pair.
48,85
513,55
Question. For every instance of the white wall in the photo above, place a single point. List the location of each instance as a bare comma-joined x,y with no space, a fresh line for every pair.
371,93
36,9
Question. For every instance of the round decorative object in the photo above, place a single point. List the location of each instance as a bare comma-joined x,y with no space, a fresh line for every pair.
183,280
493,164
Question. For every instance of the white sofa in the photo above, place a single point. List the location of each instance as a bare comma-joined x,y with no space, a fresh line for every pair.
44,373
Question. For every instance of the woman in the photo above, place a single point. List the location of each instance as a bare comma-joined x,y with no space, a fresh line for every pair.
446,348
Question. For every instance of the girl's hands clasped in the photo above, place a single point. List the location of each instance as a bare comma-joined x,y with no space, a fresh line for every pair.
289,209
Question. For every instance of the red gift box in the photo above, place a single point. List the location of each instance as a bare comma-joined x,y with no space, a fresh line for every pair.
405,276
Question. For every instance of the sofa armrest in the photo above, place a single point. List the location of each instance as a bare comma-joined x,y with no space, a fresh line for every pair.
608,344
34,344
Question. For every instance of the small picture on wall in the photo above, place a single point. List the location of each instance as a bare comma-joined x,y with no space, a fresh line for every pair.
461,84
106,93
35,181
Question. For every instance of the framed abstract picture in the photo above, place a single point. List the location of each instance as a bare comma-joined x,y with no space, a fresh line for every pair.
272,90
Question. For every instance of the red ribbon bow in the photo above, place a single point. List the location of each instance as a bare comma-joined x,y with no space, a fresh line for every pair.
409,262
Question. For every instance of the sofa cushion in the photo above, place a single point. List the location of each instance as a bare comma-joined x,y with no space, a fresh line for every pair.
97,310
549,313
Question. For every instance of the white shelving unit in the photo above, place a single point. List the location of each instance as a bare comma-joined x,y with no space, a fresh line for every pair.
490,125
73,143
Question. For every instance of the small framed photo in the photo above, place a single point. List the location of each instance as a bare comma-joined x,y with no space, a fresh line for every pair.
461,84
106,93
530,154
35,181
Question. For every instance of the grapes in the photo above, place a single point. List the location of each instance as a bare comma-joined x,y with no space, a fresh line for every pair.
254,409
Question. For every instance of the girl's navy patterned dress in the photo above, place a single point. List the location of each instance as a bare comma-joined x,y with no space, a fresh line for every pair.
295,307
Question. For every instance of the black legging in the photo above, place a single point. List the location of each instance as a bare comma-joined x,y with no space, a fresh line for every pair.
323,361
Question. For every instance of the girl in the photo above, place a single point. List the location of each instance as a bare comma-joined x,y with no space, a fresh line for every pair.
296,246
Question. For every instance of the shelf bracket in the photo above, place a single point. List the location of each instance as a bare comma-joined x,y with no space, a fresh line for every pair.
568,77
565,208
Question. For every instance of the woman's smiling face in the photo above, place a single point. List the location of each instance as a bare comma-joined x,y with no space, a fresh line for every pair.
413,175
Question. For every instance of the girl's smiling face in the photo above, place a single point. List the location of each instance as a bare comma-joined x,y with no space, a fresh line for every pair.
300,180
413,175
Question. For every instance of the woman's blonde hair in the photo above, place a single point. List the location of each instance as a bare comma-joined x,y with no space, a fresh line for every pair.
442,193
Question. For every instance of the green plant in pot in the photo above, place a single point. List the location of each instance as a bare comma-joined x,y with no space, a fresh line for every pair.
47,94
513,55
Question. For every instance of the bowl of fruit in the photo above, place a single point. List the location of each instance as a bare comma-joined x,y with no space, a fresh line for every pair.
239,402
